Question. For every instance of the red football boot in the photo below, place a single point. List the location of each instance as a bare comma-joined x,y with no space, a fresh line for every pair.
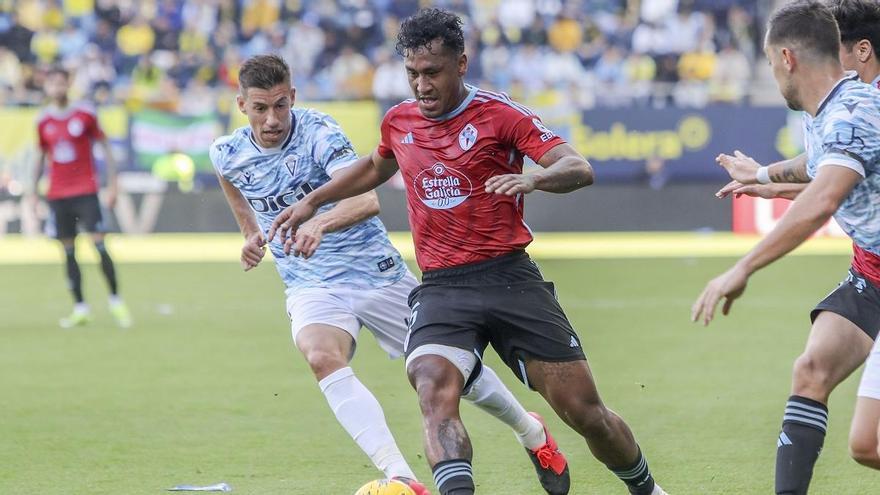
550,464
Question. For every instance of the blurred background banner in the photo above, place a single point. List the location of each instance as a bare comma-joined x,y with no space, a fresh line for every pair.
154,134
674,143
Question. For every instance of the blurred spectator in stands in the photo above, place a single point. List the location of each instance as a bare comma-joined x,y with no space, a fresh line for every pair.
94,68
45,46
109,12
527,47
528,70
146,81
18,39
72,42
565,34
134,40
305,41
201,16
743,32
731,76
536,33
258,15
612,82
514,16
104,36
495,59
390,84
640,71
11,74
351,74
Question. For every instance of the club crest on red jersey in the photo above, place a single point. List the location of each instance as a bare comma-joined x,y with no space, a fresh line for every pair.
467,137
441,188
75,127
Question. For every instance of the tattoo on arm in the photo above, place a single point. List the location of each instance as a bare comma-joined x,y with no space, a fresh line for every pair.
791,173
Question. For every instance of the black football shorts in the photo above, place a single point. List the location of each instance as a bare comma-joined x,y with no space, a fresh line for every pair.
857,300
504,301
68,212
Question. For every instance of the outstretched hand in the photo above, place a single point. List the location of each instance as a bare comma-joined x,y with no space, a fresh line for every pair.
288,221
740,167
729,285
735,187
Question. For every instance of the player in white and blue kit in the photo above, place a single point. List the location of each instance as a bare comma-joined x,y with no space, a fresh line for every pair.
356,278
842,167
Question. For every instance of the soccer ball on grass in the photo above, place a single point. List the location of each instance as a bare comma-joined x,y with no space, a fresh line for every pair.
385,487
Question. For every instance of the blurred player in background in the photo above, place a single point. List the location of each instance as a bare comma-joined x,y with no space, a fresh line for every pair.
356,278
67,133
842,167
461,150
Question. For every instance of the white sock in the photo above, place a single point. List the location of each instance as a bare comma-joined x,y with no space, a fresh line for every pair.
81,308
114,299
489,394
358,411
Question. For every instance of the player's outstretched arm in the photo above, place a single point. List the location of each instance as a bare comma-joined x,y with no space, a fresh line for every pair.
367,173
813,207
348,212
564,170
766,191
745,170
254,243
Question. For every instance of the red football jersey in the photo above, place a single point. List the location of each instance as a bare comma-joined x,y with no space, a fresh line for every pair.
445,163
66,136
867,263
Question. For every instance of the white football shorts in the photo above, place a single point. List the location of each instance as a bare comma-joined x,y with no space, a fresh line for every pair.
382,311
870,384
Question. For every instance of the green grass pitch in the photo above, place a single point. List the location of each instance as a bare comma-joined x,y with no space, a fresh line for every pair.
207,386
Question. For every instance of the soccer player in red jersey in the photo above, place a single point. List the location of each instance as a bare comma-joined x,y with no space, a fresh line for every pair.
66,135
460,150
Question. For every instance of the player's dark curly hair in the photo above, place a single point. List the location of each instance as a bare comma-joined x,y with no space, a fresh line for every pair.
858,20
427,25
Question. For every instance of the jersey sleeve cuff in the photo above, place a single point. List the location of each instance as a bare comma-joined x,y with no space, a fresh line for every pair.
549,145
842,160
337,166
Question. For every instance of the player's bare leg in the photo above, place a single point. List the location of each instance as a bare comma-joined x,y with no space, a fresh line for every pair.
327,349
570,390
81,314
835,348
864,435
438,384
118,308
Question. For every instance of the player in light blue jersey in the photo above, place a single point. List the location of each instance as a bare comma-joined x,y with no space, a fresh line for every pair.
355,278
842,167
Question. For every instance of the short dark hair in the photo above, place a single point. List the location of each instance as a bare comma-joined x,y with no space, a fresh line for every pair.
427,25
858,20
809,25
264,72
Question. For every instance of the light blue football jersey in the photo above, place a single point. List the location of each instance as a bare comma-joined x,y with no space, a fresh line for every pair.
846,132
272,179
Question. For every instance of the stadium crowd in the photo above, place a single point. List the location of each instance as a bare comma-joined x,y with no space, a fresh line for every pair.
181,55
